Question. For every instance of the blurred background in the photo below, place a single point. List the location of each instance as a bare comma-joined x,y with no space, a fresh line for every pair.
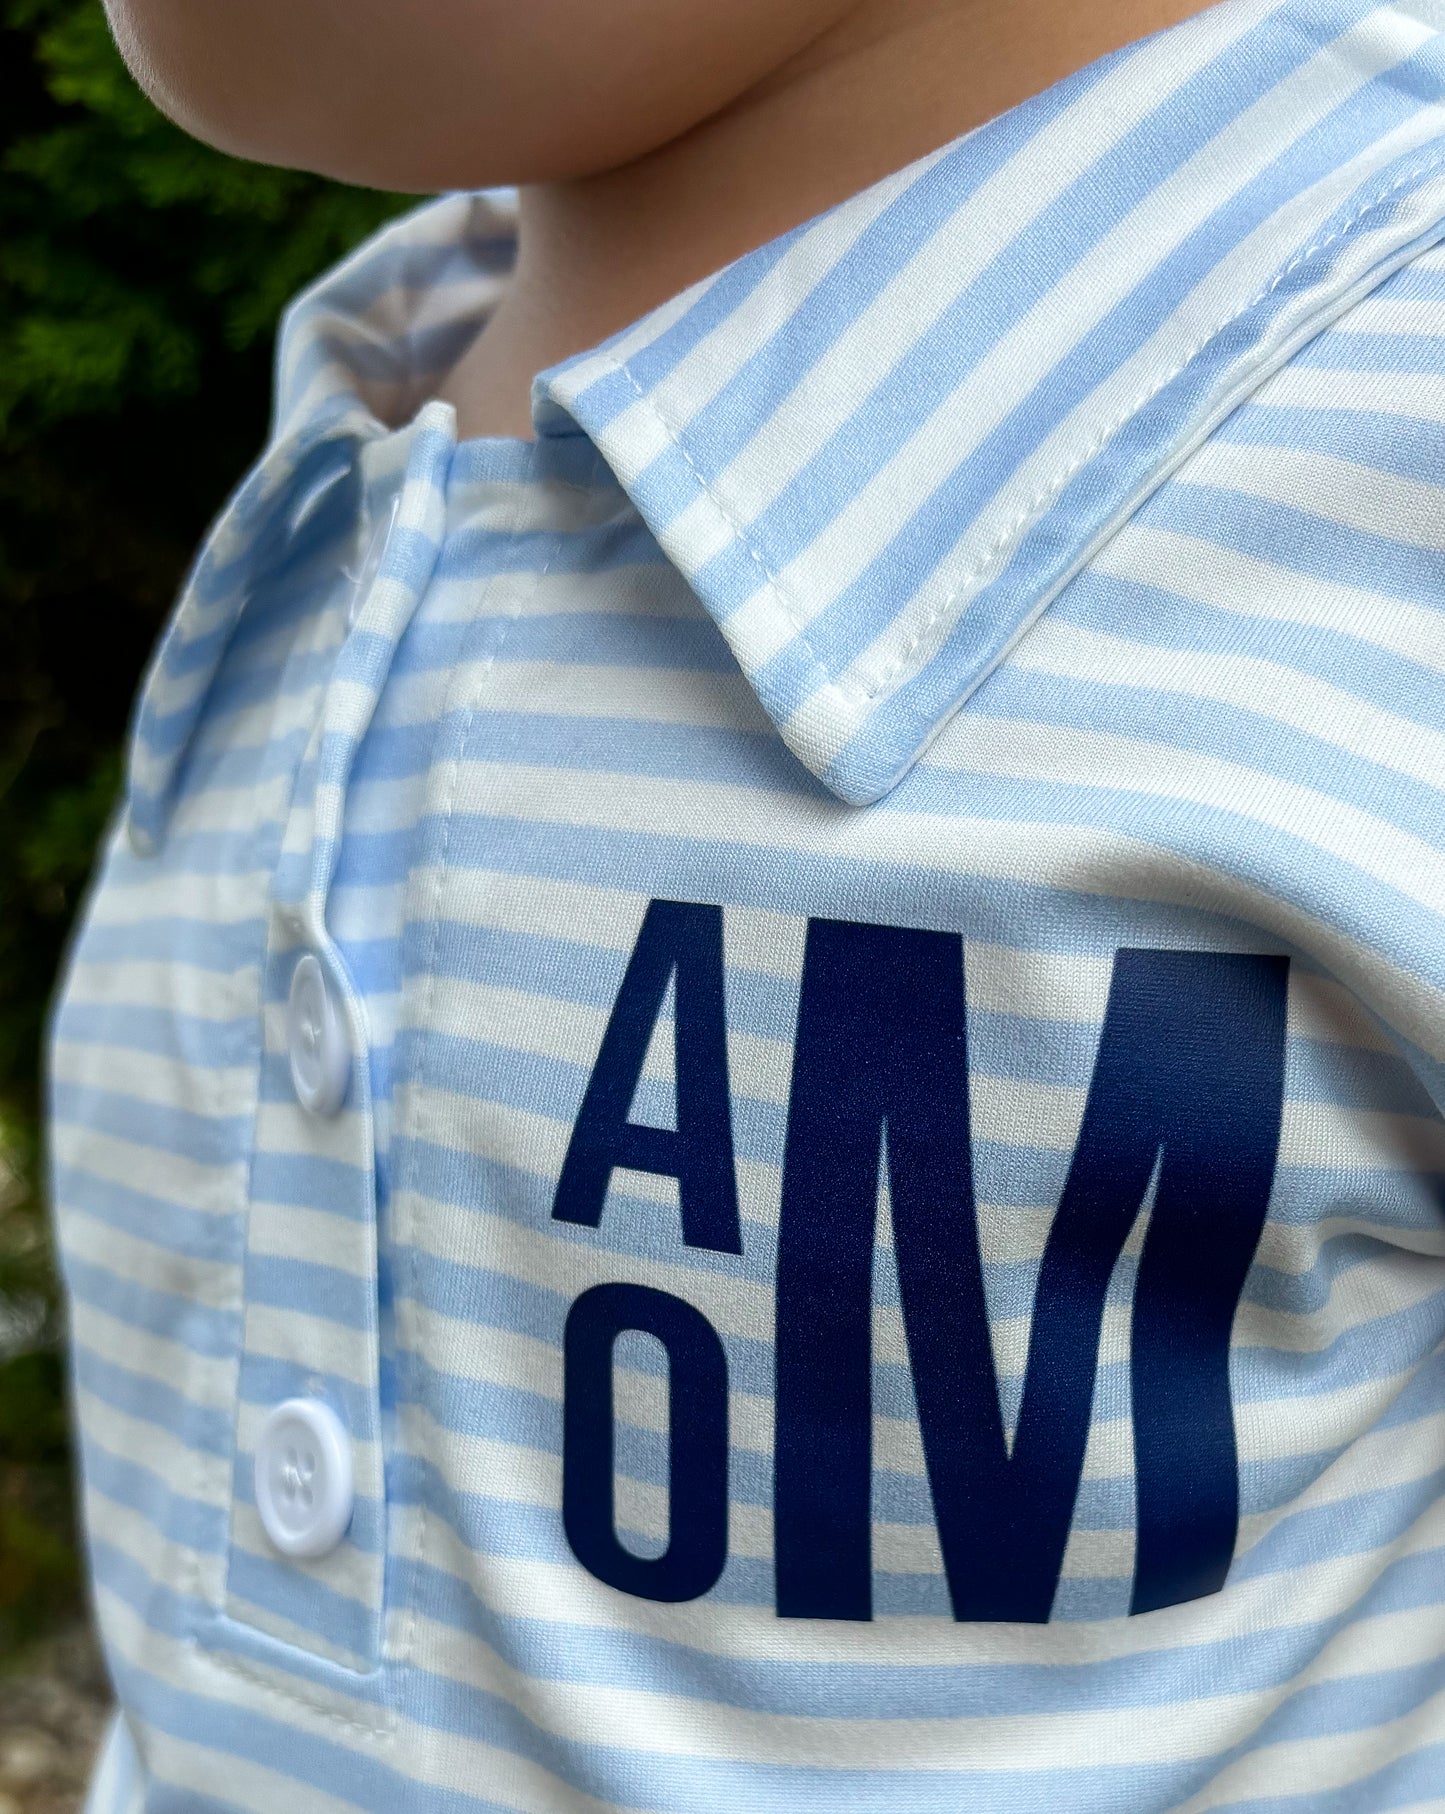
141,276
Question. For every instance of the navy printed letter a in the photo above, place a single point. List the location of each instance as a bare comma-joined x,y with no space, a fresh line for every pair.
682,941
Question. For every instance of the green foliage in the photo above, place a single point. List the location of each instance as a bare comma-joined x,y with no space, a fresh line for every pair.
130,254
140,279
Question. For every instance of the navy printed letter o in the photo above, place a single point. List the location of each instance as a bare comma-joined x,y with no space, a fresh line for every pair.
697,1442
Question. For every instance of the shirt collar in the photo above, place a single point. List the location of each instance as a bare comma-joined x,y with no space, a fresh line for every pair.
878,447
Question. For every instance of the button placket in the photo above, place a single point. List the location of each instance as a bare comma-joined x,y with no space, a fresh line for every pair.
311,1364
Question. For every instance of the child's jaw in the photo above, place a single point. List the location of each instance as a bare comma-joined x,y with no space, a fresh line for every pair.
654,140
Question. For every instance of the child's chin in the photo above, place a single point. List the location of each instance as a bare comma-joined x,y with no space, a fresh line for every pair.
454,94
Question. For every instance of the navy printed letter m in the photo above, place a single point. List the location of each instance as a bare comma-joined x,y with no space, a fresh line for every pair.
1186,1093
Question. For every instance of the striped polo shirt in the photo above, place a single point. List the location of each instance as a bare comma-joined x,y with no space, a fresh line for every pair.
748,1116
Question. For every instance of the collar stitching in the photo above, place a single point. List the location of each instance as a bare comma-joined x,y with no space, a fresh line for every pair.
856,695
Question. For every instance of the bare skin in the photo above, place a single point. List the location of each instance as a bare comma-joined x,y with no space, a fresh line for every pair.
636,180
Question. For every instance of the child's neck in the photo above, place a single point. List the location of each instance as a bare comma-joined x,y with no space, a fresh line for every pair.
892,80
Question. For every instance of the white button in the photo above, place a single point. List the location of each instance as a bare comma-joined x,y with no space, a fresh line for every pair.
317,1038
142,844
371,564
303,1478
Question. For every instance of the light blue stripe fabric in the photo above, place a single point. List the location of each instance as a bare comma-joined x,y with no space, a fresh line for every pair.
1045,548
